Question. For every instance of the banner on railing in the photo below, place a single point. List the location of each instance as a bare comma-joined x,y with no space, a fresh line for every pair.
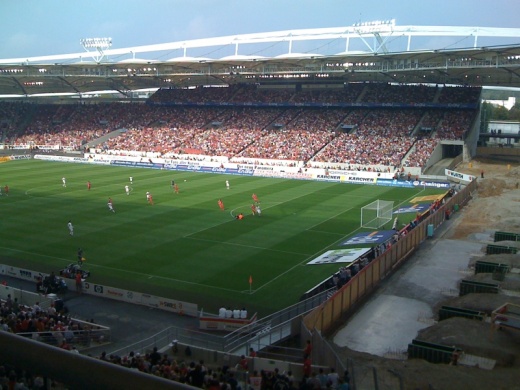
415,208
340,256
458,175
370,238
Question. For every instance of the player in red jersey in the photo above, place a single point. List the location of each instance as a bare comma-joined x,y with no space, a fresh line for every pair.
253,209
221,204
176,188
6,190
255,198
89,185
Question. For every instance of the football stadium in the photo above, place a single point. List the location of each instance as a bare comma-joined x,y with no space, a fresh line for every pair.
266,198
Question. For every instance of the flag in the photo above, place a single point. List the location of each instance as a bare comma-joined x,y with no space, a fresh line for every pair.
250,279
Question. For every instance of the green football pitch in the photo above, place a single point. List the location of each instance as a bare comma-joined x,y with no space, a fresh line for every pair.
182,247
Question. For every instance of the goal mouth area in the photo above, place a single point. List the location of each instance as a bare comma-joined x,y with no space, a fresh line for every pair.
376,214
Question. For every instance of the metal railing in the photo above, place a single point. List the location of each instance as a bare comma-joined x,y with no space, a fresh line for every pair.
274,323
260,334
81,339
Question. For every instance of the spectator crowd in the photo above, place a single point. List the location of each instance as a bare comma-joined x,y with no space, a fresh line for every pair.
175,123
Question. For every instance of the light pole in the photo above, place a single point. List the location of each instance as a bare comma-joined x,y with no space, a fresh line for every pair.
100,44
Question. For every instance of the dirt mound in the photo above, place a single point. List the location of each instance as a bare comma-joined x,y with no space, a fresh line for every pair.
495,204
491,187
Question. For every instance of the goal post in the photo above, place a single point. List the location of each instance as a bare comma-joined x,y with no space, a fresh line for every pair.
376,214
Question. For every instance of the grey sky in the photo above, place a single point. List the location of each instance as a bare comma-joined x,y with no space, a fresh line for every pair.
45,27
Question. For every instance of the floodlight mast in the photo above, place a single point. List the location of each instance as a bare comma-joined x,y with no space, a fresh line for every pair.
100,44
375,28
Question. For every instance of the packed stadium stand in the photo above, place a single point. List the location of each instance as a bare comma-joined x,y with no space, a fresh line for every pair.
402,123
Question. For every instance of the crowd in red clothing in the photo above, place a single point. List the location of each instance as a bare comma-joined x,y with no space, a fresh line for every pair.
395,137
72,125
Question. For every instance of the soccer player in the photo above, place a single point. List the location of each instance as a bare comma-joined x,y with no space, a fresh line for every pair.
176,188
221,204
173,184
149,198
64,182
227,184
127,190
71,228
89,185
110,205
131,180
6,190
253,209
258,210
255,198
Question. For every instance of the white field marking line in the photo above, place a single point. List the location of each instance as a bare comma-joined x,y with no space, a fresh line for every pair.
150,276
28,192
328,219
37,254
246,246
324,232
334,216
315,254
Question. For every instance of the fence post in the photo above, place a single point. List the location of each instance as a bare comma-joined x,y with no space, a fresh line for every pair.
374,373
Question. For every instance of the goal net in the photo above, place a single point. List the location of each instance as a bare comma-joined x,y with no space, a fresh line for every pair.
376,214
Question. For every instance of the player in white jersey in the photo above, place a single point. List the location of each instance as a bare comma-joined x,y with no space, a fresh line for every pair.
127,190
71,228
110,205
64,182
227,184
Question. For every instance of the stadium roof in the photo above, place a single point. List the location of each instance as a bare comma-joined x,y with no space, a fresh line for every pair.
390,58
